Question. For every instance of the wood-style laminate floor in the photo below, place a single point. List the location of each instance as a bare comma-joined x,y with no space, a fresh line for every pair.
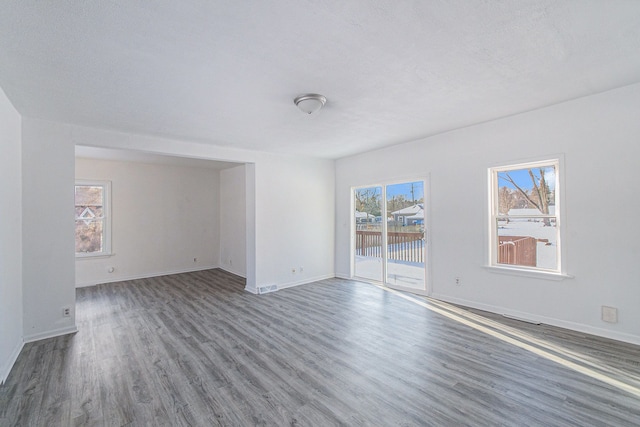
196,349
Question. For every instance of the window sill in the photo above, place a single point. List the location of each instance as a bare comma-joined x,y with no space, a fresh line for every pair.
546,275
79,257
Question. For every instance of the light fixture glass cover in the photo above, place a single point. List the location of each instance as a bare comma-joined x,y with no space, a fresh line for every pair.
310,103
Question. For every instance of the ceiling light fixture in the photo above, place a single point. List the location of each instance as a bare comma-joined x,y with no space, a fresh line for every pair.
310,102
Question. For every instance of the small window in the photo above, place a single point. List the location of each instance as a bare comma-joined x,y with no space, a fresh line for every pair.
525,216
93,221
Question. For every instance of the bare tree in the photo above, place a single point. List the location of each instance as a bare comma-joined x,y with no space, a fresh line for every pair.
506,200
539,197
368,200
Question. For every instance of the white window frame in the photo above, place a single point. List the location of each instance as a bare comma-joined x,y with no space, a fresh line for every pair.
493,187
106,226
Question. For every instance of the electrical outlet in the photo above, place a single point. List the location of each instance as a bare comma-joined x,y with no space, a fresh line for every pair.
66,312
195,260
609,314
458,281
293,270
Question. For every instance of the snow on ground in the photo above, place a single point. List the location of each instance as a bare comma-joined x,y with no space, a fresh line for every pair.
546,253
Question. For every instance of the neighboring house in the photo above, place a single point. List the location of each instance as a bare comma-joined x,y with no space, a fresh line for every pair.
412,215
364,217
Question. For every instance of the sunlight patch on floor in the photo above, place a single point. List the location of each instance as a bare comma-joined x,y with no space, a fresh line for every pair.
567,358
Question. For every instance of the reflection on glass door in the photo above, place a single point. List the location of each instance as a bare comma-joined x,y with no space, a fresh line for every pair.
368,233
405,254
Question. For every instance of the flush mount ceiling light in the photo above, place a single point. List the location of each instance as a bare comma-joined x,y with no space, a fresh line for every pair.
310,102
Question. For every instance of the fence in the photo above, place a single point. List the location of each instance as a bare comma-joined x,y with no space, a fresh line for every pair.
400,246
517,250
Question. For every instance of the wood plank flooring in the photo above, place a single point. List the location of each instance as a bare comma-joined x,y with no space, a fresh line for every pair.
195,349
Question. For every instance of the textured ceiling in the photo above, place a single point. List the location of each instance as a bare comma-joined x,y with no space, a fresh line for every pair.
225,72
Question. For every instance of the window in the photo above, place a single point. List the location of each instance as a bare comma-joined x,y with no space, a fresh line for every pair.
525,216
92,218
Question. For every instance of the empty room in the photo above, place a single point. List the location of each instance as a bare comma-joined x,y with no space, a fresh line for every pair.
370,213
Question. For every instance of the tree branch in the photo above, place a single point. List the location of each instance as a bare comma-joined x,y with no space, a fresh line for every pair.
523,192
537,189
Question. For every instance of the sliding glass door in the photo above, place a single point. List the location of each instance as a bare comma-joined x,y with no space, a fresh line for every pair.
390,235
405,235
368,233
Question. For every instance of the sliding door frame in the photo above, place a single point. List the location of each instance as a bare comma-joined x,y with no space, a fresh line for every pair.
427,235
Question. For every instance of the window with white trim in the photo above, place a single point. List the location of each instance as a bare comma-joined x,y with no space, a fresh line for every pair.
525,216
93,218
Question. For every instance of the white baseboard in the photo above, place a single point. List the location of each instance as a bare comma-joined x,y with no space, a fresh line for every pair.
529,317
145,276
228,270
50,334
306,281
8,365
578,327
292,284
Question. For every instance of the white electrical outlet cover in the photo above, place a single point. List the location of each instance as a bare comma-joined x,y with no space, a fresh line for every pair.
609,314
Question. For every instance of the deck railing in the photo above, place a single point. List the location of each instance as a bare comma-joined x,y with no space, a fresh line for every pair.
401,246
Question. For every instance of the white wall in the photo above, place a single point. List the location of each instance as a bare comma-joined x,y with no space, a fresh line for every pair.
233,220
598,136
290,204
250,247
163,216
295,220
289,208
10,236
47,229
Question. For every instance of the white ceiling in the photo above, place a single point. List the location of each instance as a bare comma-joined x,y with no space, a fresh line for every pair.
225,72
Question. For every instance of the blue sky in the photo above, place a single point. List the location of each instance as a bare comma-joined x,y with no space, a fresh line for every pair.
522,178
405,189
